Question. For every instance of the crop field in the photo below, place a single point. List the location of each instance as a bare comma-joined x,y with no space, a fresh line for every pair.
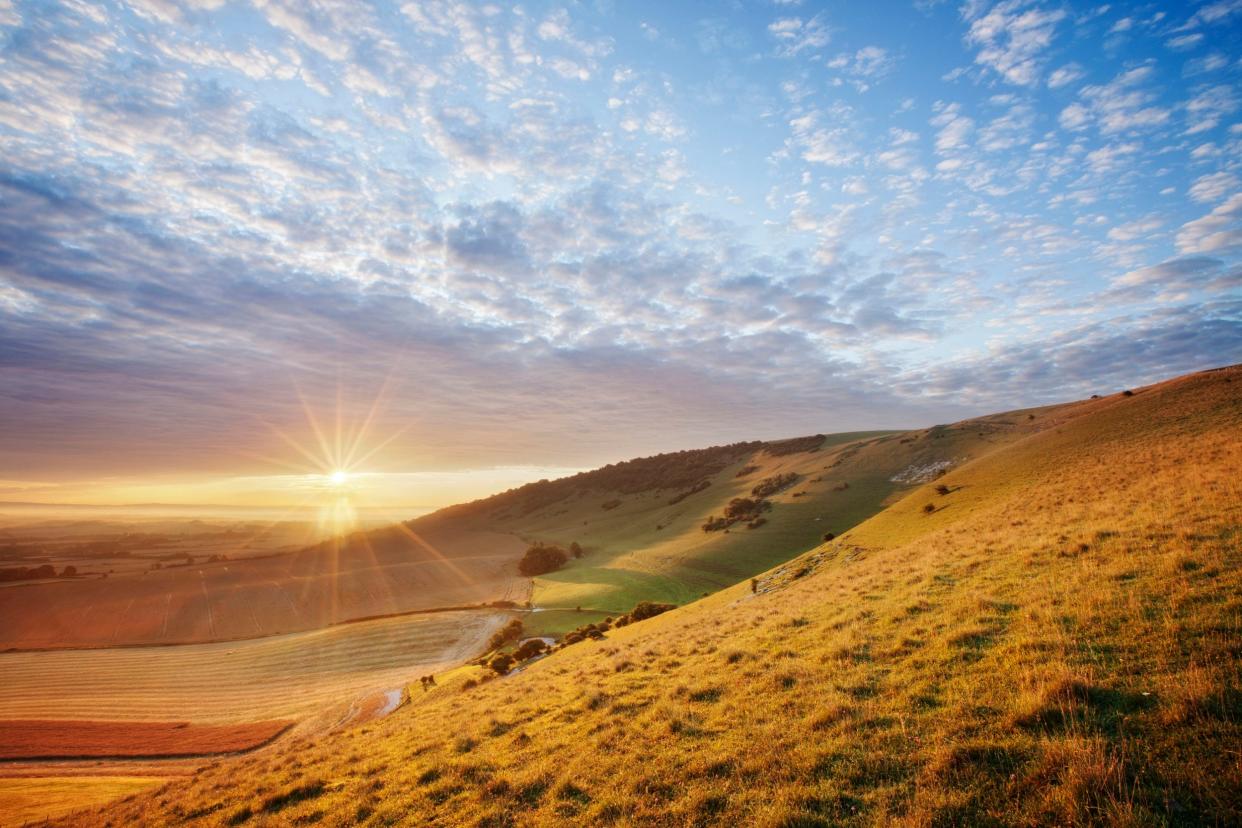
40,739
365,575
110,545
296,676
1045,635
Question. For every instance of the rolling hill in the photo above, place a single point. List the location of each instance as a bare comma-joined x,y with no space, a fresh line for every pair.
1046,633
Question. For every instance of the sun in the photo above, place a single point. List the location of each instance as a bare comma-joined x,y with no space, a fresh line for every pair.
338,478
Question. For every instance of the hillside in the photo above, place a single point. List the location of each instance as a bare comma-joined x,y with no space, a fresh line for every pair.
1052,639
641,522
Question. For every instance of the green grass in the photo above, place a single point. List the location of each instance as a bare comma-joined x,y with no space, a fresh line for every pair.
647,549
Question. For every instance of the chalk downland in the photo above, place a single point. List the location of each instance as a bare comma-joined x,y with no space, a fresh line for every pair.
1054,642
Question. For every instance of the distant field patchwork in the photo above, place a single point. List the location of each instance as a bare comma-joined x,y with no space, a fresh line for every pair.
366,575
283,677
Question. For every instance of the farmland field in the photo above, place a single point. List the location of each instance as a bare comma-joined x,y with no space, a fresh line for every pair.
42,739
292,676
129,701
365,575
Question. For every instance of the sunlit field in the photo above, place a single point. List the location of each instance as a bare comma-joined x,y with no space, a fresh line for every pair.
778,413
1055,640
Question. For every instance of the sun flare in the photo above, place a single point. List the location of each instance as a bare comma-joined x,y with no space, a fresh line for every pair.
338,478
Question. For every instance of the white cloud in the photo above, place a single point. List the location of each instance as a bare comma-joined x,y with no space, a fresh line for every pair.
1218,231
794,35
1012,37
1121,105
954,128
1135,229
1064,76
1206,109
1213,187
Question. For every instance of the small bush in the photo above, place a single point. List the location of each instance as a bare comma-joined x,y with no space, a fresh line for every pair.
1127,393
649,609
697,487
529,649
541,559
929,508
829,536
772,485
501,664
609,505
509,632
575,549
942,489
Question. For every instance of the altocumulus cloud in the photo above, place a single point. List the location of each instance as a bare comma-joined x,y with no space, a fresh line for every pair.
547,236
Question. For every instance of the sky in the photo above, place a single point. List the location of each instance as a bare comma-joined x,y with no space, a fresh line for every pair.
450,247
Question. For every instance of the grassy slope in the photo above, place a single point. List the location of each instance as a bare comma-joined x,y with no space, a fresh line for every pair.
1057,643
32,800
649,549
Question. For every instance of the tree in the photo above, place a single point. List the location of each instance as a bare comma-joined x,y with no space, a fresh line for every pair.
502,663
529,649
540,559
575,549
509,632
649,609
70,571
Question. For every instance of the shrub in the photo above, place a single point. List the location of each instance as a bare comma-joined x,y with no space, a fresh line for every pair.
509,632
942,489
529,649
929,508
501,664
756,523
739,509
796,445
774,484
745,470
575,549
609,505
649,609
829,536
540,559
696,488
1127,393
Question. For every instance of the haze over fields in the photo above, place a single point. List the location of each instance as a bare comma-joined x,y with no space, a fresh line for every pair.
776,412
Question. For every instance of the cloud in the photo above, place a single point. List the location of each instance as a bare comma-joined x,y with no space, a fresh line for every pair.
1064,76
794,35
1217,232
1012,37
1213,186
492,208
1123,104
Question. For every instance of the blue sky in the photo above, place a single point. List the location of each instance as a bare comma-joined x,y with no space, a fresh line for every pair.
566,234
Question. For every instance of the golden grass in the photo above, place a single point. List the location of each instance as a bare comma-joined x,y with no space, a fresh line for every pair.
1057,643
25,801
